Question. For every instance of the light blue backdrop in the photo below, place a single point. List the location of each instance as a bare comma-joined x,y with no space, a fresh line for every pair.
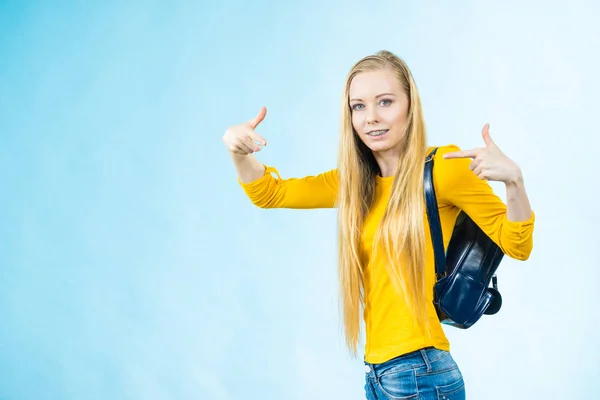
133,267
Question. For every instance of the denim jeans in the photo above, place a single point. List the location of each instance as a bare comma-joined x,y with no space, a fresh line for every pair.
426,374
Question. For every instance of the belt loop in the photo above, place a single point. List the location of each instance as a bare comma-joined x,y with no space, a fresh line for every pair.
426,359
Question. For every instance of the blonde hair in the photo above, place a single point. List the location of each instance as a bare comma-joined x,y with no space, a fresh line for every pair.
401,232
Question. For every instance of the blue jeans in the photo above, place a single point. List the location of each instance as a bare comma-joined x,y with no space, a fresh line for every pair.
426,374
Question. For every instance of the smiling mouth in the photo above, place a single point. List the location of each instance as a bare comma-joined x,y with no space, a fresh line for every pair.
378,133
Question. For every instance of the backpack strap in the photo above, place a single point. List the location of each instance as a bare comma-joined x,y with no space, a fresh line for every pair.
434,218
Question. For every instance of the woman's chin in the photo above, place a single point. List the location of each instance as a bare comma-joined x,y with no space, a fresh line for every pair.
379,146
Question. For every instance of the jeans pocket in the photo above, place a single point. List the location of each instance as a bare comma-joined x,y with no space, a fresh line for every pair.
399,385
452,391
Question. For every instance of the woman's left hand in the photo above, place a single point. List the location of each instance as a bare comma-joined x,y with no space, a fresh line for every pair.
489,162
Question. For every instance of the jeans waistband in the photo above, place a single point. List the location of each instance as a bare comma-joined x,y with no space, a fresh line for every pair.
415,359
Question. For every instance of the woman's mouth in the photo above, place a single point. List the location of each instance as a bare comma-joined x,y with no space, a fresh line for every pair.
378,133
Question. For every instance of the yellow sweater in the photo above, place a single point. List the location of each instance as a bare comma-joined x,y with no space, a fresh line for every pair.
390,331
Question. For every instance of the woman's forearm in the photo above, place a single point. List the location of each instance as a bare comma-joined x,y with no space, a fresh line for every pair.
517,202
247,166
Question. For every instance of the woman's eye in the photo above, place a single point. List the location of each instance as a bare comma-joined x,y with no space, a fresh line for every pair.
386,102
355,107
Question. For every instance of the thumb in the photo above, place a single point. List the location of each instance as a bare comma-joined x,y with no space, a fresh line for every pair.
486,135
259,117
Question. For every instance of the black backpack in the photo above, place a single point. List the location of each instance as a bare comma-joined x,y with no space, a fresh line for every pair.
463,273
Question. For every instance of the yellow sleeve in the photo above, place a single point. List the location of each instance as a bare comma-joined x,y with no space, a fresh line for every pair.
458,186
318,191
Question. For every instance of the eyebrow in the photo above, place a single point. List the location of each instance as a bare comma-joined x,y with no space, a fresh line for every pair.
378,96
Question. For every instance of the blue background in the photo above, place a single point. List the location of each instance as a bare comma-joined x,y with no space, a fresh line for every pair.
132,266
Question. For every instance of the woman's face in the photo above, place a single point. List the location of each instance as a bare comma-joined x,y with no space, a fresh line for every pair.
379,108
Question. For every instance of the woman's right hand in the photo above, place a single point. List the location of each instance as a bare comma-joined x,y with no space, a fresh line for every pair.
240,139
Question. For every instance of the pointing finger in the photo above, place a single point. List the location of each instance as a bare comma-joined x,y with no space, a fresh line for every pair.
257,138
250,142
462,154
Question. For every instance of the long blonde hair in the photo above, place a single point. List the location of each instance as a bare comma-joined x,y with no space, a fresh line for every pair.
401,232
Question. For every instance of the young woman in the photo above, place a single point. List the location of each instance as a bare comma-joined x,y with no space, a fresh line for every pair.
386,265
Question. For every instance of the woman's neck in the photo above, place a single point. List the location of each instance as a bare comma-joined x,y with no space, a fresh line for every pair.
387,161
